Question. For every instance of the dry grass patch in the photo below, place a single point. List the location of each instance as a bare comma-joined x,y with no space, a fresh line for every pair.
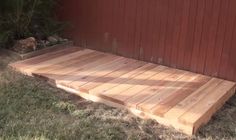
31,109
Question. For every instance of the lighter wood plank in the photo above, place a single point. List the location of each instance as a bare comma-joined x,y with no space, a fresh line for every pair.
29,69
111,76
179,95
166,79
138,80
54,68
202,110
166,91
88,70
192,99
59,74
100,72
106,86
44,57
136,89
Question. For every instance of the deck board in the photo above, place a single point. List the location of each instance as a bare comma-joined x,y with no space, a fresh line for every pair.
62,73
45,57
182,99
153,90
137,80
119,80
179,95
111,76
64,64
164,91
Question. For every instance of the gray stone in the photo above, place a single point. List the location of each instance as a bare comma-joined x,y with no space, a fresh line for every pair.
52,39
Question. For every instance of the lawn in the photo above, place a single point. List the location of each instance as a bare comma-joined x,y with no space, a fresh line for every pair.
31,109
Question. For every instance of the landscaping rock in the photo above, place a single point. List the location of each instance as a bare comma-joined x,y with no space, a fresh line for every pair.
47,43
58,38
65,40
52,39
42,43
25,45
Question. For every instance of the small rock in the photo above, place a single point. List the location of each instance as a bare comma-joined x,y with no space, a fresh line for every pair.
58,38
43,43
61,40
52,39
65,40
47,43
25,45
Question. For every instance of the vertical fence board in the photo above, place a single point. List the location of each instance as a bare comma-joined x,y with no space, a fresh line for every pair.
223,70
220,38
212,36
190,34
201,6
195,35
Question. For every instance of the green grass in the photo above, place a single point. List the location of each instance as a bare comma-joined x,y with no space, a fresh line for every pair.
31,109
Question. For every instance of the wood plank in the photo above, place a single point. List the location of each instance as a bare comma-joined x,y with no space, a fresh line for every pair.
169,39
150,37
64,64
220,38
192,99
155,31
119,80
188,48
178,21
208,105
100,72
121,22
144,22
28,69
179,95
211,46
166,91
183,34
205,38
143,100
138,80
164,6
232,58
133,95
45,57
201,4
111,76
86,69
57,74
225,56
130,10
136,89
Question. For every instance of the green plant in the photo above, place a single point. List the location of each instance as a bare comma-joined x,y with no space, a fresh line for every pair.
23,18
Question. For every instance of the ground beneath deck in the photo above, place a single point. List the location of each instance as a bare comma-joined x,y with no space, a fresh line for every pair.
173,97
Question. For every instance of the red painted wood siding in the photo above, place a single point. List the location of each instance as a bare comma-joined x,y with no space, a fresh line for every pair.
195,35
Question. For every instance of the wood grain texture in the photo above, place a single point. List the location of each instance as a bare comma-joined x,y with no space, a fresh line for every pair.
195,35
179,98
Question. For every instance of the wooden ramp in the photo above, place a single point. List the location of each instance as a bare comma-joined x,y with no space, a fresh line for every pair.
173,97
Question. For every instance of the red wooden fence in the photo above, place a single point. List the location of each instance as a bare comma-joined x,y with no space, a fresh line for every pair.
195,35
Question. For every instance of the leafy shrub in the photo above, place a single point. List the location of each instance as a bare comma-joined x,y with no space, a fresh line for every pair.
24,18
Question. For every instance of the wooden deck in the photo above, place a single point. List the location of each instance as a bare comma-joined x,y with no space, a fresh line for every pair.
173,97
